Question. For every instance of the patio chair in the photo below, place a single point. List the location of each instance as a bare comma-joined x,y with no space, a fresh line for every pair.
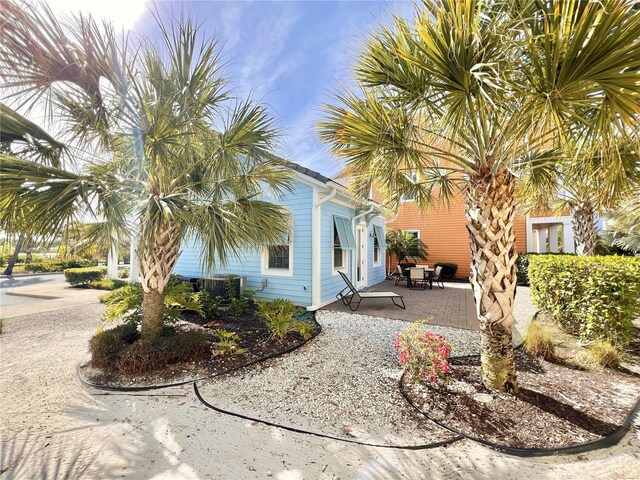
437,277
352,297
417,279
400,276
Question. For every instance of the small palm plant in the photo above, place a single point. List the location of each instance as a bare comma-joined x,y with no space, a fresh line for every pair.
167,152
405,245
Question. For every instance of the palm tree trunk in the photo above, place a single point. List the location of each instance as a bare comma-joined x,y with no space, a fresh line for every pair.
584,228
14,256
490,213
156,266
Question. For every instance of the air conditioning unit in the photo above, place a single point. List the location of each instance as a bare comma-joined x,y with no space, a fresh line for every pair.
219,286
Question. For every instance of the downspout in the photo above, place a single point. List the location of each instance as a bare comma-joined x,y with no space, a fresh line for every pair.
353,229
316,245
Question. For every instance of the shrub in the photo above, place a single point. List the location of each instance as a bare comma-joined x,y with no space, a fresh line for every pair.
227,343
603,354
423,354
448,269
124,273
44,266
120,349
107,284
208,304
278,316
106,346
539,341
593,297
161,352
84,276
240,305
126,303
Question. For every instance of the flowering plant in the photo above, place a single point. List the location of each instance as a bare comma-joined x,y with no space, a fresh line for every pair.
423,354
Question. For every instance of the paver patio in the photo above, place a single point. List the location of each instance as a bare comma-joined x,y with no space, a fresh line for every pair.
451,307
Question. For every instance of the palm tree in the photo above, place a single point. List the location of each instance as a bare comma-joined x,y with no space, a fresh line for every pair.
405,245
168,153
23,138
582,187
622,226
469,94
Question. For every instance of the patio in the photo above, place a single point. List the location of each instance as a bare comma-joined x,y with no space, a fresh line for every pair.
451,307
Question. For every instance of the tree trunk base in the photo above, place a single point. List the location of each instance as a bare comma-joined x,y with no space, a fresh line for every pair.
152,314
498,359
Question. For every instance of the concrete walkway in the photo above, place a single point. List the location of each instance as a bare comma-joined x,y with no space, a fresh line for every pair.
29,296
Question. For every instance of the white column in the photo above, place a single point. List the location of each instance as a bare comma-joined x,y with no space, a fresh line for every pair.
134,265
529,234
539,240
553,238
568,243
112,260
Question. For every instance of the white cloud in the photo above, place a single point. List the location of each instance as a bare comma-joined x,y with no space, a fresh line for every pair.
123,13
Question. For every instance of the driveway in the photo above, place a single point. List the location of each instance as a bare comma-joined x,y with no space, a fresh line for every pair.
52,427
25,295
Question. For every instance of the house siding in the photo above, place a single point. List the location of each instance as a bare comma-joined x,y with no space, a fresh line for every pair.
443,228
297,287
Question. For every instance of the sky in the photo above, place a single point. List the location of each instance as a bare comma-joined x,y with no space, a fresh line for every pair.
289,56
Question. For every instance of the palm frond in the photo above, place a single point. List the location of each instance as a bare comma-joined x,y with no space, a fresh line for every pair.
25,139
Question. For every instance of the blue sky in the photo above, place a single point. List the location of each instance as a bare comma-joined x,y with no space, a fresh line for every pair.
289,55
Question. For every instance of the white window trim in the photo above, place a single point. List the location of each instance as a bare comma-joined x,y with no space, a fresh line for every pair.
276,272
417,232
345,262
380,250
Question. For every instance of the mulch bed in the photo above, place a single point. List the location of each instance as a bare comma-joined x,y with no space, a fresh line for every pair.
254,337
556,406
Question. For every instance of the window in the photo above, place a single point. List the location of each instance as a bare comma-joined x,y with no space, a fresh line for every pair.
278,259
339,254
378,244
376,250
415,233
413,177
343,241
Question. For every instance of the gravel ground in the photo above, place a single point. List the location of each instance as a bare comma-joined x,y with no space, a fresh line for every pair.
344,383
52,427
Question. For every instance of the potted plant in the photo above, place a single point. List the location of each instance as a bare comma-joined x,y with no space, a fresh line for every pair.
406,247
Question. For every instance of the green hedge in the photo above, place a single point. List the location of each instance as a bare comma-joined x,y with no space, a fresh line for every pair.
448,269
593,297
84,276
522,263
56,265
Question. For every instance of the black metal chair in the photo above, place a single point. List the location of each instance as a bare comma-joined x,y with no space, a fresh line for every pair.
437,277
400,276
351,297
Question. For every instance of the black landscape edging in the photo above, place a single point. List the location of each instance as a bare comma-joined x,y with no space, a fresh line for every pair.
113,388
322,435
606,441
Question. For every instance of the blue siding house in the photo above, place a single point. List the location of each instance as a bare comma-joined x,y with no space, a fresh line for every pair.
332,231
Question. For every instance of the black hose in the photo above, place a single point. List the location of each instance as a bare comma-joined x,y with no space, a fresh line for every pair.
607,441
322,435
